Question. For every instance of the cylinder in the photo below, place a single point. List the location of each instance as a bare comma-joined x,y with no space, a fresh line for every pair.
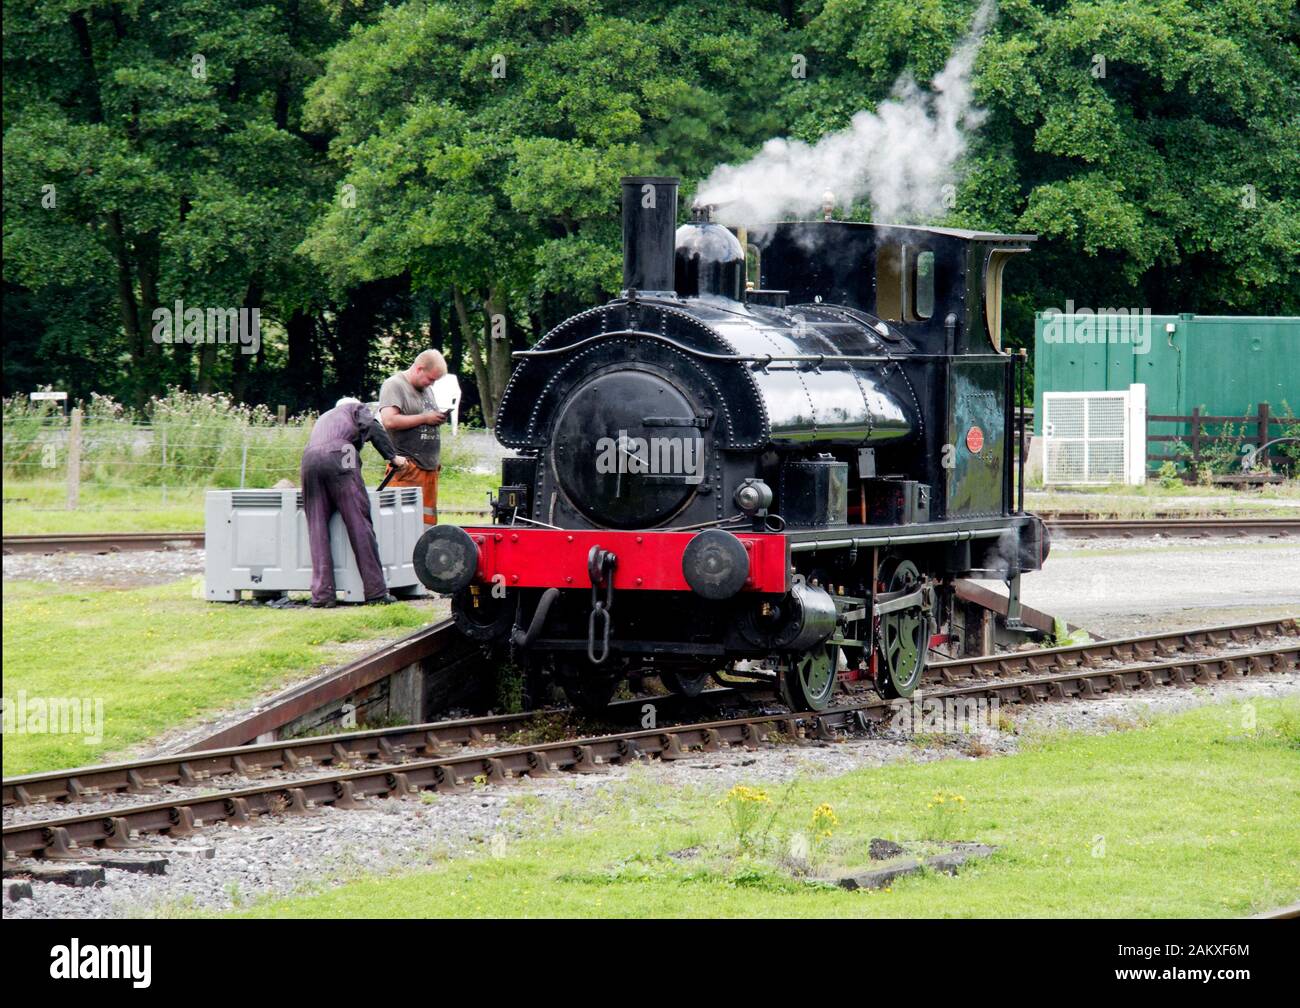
809,618
649,229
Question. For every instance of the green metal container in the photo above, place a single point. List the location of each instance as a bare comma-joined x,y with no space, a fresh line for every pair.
1223,365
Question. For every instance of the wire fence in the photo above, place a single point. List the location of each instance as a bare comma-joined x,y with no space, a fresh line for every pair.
59,461
134,454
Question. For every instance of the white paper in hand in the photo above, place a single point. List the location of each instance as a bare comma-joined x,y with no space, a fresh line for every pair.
446,396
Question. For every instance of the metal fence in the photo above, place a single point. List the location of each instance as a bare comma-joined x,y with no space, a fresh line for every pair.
144,460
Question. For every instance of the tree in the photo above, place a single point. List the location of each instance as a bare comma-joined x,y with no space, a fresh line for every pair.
380,176
482,142
1150,143
153,153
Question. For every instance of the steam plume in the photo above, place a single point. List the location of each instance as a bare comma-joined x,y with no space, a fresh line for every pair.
899,157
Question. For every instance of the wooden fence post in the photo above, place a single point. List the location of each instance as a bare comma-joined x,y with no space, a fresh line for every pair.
74,459
1196,435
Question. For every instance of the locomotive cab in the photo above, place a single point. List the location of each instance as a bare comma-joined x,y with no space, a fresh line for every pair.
783,480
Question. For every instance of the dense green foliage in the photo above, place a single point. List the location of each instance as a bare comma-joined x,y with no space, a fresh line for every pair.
376,177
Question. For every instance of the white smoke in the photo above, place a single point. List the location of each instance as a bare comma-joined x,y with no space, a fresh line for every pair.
900,156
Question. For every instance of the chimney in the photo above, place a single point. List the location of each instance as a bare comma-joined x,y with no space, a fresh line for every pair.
649,229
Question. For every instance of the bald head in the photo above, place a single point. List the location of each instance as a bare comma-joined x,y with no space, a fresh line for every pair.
431,360
429,366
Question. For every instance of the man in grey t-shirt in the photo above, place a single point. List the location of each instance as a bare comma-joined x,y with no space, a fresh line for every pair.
408,413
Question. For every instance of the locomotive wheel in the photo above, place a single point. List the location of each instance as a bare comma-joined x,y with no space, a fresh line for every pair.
809,681
683,684
904,638
589,692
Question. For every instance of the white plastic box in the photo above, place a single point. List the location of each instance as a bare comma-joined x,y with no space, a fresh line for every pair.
1096,438
256,540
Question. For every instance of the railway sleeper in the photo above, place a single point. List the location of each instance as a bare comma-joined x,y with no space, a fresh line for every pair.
59,845
297,802
82,876
347,796
588,761
445,781
1281,662
118,835
135,784
540,766
191,777
182,822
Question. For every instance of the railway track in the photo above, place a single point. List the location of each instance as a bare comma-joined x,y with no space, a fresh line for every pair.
77,837
206,768
1126,649
1077,524
102,542
1090,527
302,755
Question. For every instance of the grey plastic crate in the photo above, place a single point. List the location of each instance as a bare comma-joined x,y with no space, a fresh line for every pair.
256,541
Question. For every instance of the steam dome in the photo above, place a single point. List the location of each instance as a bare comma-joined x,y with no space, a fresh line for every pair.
709,260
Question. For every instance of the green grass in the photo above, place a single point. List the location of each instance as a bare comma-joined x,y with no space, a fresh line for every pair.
158,657
1194,815
1151,498
34,507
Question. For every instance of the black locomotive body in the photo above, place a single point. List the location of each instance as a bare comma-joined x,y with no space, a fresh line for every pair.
773,482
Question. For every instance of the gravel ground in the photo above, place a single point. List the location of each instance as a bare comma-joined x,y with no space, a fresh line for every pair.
226,866
1120,589
128,569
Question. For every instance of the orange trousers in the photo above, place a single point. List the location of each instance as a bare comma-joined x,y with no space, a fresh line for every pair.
427,480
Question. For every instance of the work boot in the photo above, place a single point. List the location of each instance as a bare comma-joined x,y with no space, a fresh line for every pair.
386,599
327,604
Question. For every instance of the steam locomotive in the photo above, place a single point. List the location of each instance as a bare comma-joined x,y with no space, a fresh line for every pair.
765,462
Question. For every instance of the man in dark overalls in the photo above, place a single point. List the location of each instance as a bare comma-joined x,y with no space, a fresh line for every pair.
331,481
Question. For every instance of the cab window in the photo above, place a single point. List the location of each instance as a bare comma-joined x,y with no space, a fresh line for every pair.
904,283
